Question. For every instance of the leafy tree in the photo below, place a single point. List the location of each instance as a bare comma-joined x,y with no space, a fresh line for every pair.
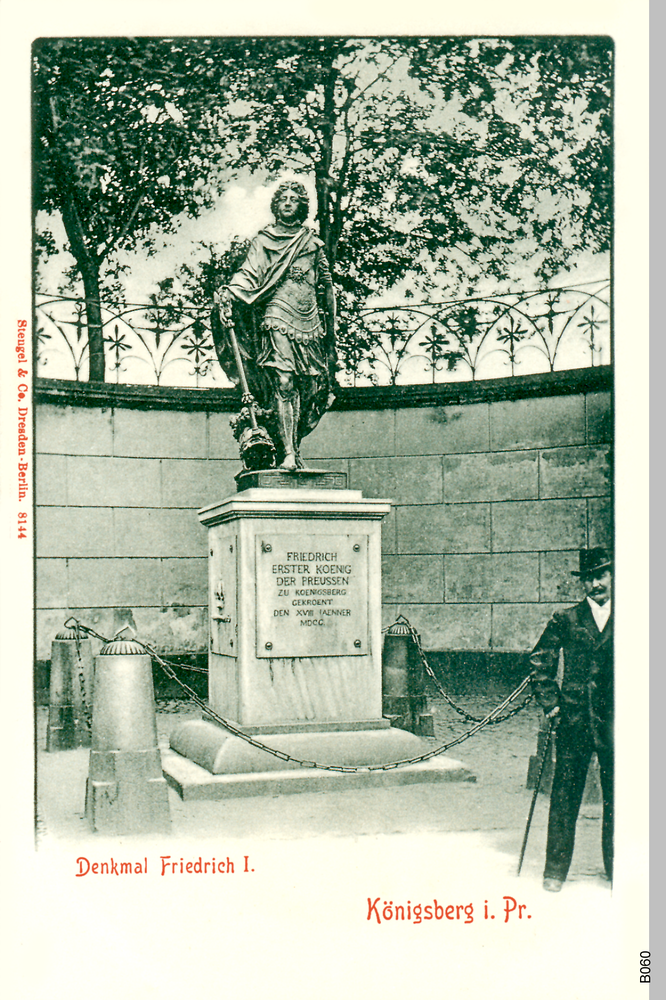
437,161
199,282
527,166
424,147
121,145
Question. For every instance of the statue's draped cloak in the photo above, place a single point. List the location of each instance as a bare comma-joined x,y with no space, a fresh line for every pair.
280,321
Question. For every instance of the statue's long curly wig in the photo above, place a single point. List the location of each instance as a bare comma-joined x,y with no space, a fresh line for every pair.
303,199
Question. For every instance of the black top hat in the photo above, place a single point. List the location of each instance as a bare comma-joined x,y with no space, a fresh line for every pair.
592,561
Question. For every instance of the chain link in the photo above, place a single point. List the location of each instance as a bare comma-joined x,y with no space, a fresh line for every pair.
191,668
167,668
85,695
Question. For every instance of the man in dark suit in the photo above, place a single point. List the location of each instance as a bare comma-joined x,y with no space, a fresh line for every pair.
582,710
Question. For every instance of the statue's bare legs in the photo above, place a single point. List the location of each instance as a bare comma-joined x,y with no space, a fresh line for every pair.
288,412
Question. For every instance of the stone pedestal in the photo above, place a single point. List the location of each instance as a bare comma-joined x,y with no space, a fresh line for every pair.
295,638
295,607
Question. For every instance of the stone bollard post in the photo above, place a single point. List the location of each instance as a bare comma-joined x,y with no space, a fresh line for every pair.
403,683
126,791
70,692
395,690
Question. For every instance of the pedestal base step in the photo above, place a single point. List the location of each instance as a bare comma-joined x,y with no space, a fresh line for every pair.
215,749
193,782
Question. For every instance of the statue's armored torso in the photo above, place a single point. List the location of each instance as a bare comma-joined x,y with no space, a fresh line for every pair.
293,309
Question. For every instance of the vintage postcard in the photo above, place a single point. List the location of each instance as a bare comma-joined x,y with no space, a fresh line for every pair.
324,424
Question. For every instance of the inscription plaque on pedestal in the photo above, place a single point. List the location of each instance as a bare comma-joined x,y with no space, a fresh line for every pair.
312,595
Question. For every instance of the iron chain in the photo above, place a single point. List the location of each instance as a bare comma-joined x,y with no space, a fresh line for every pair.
85,695
167,668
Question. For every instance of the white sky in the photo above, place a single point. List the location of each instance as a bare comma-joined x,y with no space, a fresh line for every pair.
241,211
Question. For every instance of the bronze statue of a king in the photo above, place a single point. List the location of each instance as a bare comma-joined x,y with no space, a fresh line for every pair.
274,333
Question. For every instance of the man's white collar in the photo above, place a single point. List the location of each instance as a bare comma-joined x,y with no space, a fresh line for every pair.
600,612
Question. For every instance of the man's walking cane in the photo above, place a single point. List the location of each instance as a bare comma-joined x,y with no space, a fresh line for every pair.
537,786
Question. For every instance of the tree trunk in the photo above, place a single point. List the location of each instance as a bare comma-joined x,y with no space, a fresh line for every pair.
90,275
89,269
324,181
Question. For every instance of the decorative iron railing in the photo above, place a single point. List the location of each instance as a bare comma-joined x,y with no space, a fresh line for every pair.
513,333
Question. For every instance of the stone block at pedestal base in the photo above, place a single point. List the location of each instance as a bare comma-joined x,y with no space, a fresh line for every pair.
215,749
210,763
127,793
195,783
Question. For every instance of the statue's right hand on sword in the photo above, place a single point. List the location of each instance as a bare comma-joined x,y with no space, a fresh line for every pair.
223,299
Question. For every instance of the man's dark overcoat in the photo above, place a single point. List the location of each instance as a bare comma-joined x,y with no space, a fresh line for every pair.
585,724
586,696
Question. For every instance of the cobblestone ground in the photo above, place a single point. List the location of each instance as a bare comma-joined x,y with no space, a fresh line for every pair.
495,805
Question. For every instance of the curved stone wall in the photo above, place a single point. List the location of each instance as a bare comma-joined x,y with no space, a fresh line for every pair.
496,485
